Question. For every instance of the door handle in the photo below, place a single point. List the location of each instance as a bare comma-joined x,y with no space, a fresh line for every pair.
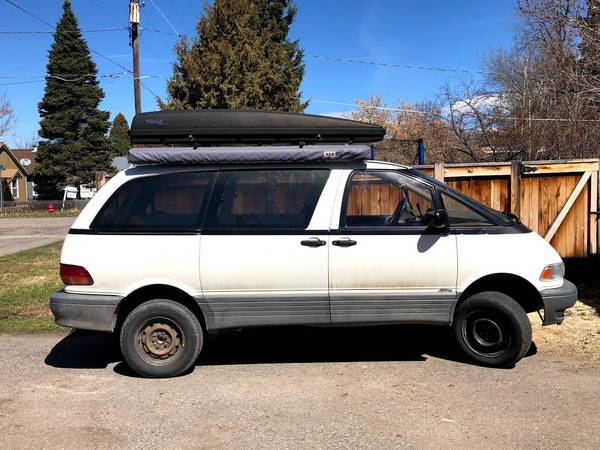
313,242
346,242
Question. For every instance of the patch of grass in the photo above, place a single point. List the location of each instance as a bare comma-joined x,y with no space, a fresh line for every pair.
41,213
26,281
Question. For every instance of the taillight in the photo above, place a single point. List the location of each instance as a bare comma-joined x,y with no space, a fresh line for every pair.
75,275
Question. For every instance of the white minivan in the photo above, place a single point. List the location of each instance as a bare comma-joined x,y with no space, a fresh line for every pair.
194,240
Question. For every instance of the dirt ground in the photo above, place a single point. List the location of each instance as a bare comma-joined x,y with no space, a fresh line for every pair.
578,336
385,387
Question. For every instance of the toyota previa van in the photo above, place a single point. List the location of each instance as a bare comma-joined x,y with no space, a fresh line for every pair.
235,219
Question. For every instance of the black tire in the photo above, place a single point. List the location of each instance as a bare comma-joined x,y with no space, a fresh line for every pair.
492,329
160,339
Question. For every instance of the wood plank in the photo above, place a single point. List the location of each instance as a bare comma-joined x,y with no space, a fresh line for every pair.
504,169
534,213
567,206
593,216
515,188
438,171
476,171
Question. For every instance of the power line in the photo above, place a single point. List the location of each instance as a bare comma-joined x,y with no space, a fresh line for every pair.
54,28
101,30
107,12
65,77
415,111
29,13
393,65
165,17
126,27
177,13
39,79
156,30
150,90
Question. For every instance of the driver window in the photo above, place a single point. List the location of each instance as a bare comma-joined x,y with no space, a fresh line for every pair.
382,198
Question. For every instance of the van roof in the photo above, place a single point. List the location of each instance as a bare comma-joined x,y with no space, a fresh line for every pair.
248,154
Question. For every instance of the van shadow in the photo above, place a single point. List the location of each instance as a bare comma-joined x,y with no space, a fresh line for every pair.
584,273
94,350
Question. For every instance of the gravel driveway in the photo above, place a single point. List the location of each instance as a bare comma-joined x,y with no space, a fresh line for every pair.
25,233
299,388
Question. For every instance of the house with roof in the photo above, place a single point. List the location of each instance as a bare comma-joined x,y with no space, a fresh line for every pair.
16,173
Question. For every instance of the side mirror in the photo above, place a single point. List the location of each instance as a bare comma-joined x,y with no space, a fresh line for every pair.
437,218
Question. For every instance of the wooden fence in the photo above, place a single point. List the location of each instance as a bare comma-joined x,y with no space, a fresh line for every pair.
557,199
32,206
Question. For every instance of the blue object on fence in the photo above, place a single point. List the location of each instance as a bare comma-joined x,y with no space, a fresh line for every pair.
421,151
372,152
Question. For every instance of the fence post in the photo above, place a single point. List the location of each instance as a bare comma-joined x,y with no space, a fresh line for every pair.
438,171
100,180
515,188
594,212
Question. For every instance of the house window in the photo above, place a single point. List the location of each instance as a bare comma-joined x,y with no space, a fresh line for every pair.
14,188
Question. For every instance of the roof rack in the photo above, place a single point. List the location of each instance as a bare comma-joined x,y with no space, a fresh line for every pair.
226,127
257,154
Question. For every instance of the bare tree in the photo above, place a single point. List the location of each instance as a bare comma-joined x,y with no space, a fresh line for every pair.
28,141
7,115
405,123
549,79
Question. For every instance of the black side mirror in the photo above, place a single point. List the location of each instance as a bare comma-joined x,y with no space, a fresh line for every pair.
437,218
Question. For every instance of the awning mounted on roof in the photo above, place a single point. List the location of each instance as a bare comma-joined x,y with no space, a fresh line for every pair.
223,155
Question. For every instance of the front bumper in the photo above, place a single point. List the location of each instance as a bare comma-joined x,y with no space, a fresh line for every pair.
556,301
85,311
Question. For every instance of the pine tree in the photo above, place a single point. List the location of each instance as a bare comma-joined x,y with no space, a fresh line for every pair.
118,137
74,129
241,58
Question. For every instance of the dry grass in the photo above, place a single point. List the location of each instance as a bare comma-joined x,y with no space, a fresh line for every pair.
26,281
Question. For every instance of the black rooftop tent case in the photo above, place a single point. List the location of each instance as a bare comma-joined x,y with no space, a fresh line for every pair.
245,136
214,126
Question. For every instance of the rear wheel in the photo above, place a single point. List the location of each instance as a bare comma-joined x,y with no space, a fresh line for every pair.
492,329
161,338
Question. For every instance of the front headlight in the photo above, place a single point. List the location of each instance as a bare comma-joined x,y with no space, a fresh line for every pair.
553,272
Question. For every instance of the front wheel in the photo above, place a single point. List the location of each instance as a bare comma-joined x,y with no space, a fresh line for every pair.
492,329
161,338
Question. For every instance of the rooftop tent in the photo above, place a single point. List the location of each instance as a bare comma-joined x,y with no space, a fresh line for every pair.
217,127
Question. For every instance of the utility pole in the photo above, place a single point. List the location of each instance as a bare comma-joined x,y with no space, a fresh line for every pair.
134,20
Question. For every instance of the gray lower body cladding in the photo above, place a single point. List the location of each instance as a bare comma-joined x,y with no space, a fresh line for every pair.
85,311
556,301
251,310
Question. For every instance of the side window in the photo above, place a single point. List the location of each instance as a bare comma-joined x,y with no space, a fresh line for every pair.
461,214
381,198
157,203
265,198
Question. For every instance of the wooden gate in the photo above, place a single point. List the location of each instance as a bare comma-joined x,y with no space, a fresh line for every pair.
556,199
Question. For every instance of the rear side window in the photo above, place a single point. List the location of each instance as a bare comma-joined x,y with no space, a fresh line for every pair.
265,198
157,203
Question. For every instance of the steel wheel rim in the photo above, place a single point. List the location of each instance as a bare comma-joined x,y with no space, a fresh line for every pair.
159,341
485,334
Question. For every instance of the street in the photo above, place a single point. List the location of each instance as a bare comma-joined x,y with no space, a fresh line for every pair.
24,233
299,387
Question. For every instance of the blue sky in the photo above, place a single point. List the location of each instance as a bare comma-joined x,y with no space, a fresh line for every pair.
435,33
